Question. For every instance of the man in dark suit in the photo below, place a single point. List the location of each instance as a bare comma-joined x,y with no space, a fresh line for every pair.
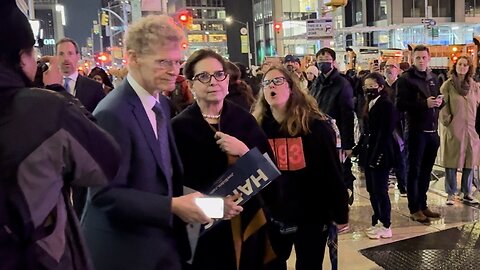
137,221
88,91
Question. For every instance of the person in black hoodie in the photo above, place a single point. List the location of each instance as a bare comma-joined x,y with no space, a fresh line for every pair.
311,182
47,145
380,120
418,96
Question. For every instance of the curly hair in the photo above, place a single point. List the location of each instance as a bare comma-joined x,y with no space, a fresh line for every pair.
153,30
301,108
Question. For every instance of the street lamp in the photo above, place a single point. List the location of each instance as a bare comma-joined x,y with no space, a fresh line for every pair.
230,20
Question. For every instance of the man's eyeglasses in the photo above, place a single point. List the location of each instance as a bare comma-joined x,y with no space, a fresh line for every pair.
206,77
168,63
276,81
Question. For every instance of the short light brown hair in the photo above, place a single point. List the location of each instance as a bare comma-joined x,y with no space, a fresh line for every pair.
152,30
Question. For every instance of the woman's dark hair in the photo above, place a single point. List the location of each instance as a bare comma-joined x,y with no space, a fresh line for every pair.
236,82
196,57
103,74
376,77
12,62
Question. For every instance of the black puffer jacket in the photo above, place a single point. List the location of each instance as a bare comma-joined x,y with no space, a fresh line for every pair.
334,96
46,145
413,89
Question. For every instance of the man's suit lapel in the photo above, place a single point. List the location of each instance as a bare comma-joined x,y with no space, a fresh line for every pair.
145,126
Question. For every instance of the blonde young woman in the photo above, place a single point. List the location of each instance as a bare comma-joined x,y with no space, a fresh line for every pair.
461,143
311,183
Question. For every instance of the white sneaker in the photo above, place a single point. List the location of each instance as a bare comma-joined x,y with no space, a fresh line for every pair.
372,228
450,200
381,232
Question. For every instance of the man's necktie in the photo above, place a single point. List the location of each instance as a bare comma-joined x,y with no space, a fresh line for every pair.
66,82
162,133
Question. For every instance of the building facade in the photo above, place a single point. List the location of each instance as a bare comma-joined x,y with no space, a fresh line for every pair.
395,24
208,28
52,21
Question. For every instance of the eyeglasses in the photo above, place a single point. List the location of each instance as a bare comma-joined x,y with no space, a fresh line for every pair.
276,81
168,63
206,77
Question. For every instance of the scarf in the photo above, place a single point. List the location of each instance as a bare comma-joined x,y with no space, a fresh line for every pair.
462,87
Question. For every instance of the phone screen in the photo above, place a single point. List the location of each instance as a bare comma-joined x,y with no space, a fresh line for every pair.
212,207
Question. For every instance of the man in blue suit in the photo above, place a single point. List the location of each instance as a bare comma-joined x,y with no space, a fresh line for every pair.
137,222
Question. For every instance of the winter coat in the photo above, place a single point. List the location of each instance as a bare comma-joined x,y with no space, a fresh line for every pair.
460,141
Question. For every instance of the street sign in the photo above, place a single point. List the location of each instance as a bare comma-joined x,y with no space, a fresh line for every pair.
430,22
319,28
243,31
244,44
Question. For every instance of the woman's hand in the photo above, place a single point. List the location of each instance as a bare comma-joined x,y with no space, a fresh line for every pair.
230,144
230,207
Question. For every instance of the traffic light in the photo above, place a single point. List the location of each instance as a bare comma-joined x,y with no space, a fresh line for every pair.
185,18
184,45
277,26
104,19
103,57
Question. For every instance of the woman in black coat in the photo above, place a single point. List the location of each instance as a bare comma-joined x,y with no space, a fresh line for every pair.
211,135
379,125
312,193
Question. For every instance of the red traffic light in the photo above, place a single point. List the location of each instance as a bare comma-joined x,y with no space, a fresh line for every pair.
184,45
183,18
277,26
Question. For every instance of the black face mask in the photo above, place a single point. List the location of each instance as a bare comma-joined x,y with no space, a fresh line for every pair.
372,93
324,67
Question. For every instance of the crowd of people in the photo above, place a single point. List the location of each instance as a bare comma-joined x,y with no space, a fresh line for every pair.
117,156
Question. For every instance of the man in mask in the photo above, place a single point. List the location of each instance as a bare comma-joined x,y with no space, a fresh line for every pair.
334,95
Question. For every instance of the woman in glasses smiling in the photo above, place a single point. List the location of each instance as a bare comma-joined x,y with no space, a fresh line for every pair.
211,135
311,183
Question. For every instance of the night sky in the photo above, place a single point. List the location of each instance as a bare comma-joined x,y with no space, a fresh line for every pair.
80,15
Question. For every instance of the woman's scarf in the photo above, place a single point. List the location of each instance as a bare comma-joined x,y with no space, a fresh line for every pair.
463,86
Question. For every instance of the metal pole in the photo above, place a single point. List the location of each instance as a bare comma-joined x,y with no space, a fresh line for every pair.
100,33
125,16
425,27
254,41
249,51
110,30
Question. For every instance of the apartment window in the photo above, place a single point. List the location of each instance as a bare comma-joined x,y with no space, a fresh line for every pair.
196,13
440,8
472,8
358,11
194,3
197,38
414,8
380,10
217,38
215,3
196,27
215,27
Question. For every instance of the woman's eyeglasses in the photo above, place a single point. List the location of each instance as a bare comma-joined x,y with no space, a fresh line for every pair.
206,77
276,81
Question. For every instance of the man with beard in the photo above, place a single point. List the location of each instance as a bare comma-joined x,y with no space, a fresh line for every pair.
293,65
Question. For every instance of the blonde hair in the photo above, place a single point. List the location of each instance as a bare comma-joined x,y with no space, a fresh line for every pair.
301,107
152,30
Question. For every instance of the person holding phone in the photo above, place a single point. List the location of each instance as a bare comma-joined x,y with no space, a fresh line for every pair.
304,144
461,144
417,91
